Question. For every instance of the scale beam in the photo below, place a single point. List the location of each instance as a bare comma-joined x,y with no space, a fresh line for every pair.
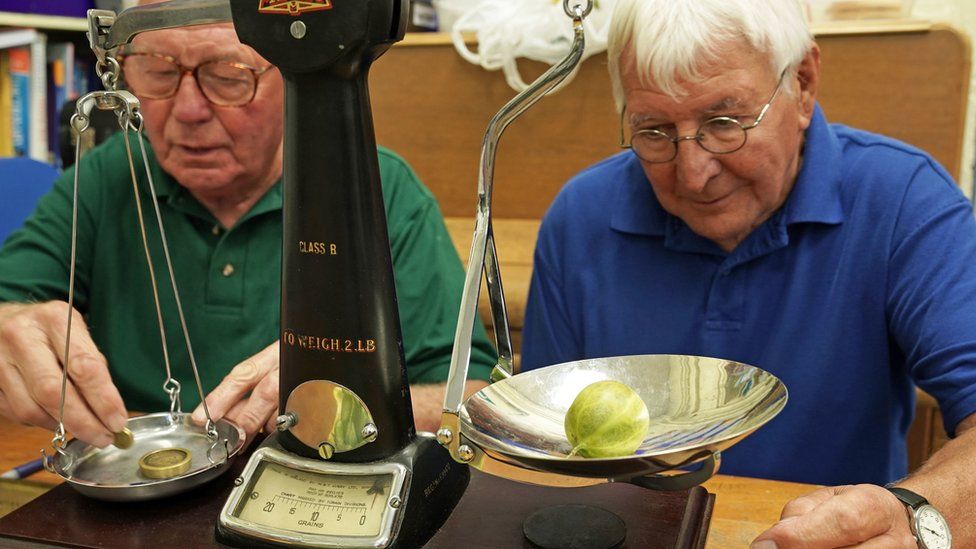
107,31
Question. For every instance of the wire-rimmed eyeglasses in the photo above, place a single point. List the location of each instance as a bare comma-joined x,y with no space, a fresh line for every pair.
718,135
223,83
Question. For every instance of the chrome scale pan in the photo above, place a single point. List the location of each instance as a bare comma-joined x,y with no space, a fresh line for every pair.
698,407
113,474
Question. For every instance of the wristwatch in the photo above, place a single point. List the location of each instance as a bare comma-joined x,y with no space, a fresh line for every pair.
929,527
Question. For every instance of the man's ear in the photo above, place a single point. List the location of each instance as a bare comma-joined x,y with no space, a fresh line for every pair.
808,75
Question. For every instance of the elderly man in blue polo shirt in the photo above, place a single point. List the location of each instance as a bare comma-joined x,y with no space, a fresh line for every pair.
742,225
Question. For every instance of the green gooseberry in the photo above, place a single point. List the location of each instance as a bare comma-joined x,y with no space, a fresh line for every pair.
607,419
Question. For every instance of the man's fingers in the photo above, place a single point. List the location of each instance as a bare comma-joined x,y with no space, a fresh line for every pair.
32,344
230,391
5,409
272,424
245,418
37,401
854,515
80,421
43,386
87,368
25,351
19,405
258,410
238,383
807,502
89,376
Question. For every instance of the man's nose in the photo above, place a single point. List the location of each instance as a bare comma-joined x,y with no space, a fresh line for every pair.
694,166
190,106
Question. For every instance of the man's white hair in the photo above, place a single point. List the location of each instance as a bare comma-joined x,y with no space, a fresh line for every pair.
674,40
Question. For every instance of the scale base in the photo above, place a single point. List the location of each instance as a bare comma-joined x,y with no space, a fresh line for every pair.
431,489
574,527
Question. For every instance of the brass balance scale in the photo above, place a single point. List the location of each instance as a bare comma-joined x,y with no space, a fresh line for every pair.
346,452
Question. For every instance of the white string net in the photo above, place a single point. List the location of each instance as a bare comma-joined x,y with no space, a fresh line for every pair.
507,30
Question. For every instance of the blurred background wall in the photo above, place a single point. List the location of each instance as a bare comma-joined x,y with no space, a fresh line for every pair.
962,14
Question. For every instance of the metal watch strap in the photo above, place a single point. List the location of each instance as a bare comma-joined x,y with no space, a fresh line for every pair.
908,497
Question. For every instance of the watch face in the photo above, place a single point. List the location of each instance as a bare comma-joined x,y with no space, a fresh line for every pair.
932,529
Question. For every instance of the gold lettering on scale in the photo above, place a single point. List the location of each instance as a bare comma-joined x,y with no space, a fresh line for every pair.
317,248
328,344
293,7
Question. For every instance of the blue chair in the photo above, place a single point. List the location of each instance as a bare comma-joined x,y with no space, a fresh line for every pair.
22,182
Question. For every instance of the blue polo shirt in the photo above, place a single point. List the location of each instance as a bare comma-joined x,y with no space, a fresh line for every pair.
862,284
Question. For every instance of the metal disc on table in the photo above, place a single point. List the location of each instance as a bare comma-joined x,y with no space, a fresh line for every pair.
574,526
697,406
179,453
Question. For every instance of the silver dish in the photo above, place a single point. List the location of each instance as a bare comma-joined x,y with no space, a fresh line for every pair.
112,473
698,406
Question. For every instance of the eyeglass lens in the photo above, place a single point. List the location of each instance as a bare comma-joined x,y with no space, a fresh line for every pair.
718,135
158,78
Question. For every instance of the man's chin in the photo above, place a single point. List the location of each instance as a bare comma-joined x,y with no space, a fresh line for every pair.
718,232
201,178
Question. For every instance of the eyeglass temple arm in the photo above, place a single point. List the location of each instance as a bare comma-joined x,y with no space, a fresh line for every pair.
108,31
623,142
762,112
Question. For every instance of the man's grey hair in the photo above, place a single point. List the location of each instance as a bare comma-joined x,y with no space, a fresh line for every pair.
674,40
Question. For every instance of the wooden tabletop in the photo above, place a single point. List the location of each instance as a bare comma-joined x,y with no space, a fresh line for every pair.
744,507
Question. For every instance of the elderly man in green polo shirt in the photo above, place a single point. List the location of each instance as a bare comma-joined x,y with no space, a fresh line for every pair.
216,163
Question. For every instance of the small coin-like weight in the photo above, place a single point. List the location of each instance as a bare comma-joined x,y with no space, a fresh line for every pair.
123,439
165,463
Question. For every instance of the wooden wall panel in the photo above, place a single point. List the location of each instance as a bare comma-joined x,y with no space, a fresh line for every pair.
432,107
912,86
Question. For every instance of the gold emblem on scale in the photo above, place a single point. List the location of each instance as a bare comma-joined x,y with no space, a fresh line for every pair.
293,7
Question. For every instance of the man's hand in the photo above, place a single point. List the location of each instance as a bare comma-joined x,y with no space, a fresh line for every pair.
32,338
862,516
258,376
248,396
428,402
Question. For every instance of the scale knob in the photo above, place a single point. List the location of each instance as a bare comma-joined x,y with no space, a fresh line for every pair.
286,421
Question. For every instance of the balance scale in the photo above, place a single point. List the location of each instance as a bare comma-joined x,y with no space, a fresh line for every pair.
346,467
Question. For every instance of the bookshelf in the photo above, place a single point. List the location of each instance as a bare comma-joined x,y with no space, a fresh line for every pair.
44,62
43,22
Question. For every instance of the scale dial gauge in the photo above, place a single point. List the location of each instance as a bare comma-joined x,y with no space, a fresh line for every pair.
293,500
302,501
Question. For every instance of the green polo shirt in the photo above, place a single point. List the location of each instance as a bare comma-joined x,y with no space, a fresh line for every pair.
229,280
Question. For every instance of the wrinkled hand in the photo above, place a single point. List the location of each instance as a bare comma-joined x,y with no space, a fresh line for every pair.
861,516
428,402
248,396
32,338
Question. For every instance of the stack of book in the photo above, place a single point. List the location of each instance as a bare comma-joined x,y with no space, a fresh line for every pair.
37,77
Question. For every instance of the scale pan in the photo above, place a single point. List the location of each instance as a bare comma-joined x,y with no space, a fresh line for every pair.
697,406
113,474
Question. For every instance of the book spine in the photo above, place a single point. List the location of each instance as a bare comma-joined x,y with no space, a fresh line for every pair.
6,106
83,80
19,72
60,73
38,144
